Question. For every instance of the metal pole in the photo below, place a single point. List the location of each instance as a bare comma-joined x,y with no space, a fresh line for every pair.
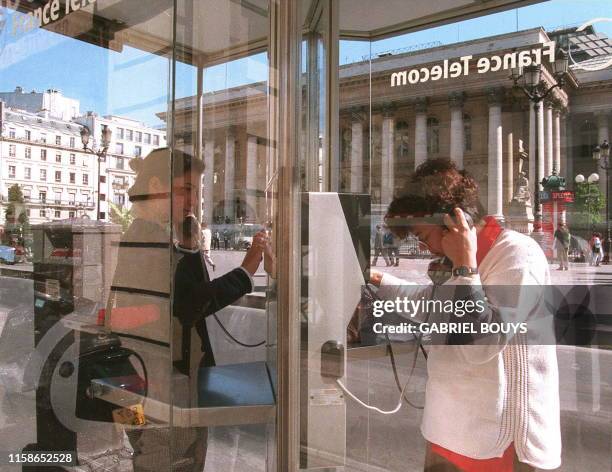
608,168
284,86
589,208
199,135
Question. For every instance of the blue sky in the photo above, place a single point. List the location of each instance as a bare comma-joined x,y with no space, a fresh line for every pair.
549,15
136,84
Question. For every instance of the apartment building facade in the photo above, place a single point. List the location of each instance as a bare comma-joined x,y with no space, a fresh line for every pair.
43,153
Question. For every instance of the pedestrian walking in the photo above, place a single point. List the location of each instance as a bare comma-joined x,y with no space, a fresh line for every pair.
378,246
389,247
206,244
215,241
562,244
596,249
225,239
394,251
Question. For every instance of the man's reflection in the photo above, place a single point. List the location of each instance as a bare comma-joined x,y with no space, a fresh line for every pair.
164,197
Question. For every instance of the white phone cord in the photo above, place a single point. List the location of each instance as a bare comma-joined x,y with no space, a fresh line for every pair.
401,399
371,407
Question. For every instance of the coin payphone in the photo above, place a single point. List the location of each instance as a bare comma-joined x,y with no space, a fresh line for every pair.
71,271
335,266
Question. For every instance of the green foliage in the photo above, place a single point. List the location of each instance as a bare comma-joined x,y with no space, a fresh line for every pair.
15,194
588,205
15,213
121,216
17,223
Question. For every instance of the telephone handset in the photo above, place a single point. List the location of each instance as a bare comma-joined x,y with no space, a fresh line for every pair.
468,217
438,218
432,219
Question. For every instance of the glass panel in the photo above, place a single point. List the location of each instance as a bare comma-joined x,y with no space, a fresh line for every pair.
110,293
221,343
85,345
418,107
316,46
329,221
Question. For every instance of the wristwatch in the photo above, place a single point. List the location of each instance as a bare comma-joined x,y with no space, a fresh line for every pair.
464,271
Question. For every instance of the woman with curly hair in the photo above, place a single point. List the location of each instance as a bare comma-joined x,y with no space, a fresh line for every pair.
492,402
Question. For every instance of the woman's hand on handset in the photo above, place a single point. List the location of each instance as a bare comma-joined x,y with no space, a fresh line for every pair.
459,242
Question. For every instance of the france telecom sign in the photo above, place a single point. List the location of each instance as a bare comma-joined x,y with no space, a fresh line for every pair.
460,67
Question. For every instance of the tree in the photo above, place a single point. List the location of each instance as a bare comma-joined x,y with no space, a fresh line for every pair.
15,213
121,216
588,205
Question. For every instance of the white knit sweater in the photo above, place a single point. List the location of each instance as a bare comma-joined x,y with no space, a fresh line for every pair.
480,399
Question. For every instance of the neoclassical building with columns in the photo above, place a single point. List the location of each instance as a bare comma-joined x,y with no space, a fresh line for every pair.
233,130
479,120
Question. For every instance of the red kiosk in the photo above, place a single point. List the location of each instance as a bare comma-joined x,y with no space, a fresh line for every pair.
554,199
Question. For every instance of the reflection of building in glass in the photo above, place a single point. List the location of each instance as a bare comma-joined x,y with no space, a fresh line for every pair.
234,151
51,102
41,151
44,157
477,120
130,138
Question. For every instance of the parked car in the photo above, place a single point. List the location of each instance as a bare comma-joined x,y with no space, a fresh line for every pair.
243,243
244,235
11,255
240,236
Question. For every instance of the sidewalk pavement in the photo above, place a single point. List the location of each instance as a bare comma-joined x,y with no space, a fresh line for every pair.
415,271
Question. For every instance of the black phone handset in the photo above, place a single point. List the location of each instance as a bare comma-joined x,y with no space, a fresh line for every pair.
440,217
468,217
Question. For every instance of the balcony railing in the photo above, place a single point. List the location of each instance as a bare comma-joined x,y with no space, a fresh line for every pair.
120,185
54,203
39,142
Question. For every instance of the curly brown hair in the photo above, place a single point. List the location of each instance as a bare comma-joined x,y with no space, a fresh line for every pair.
437,186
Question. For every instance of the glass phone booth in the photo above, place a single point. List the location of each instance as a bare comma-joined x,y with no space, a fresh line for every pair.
193,189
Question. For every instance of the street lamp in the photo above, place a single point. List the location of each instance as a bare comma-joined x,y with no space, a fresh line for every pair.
105,141
601,155
529,80
590,181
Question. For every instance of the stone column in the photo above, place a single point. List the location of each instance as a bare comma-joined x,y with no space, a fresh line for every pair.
251,179
420,131
603,134
495,185
532,150
387,159
509,168
557,141
230,172
208,194
548,162
541,140
456,128
356,184
567,164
